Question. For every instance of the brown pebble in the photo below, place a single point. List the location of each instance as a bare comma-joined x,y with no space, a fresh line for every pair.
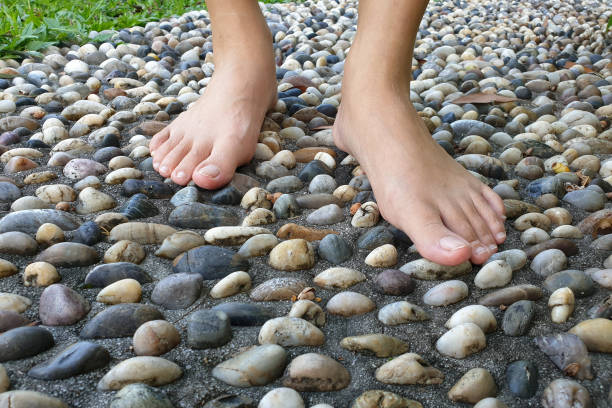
547,201
112,93
49,234
18,163
294,231
155,337
307,154
568,247
40,177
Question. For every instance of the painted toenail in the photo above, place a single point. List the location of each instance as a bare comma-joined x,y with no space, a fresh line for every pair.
451,243
500,236
163,169
211,171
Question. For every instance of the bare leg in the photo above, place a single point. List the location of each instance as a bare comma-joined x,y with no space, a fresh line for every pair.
449,214
207,142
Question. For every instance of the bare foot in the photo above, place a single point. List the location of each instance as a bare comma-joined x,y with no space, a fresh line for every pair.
219,133
449,214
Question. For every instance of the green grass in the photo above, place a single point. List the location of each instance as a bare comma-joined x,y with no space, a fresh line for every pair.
29,26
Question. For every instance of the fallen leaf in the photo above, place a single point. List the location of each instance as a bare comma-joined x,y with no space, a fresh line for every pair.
483,98
299,82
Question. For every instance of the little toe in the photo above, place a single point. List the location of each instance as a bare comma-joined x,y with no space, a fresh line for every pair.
217,170
491,217
173,158
437,243
182,173
164,149
495,202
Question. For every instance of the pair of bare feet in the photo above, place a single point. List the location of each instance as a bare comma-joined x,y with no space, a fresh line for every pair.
449,214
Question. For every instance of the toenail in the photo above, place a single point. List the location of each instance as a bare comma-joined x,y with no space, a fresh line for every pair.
163,169
211,171
492,248
479,250
451,243
181,174
500,236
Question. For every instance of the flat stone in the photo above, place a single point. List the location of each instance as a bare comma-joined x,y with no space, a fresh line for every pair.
380,345
568,352
29,221
277,289
178,291
201,216
142,232
428,270
104,275
260,365
120,320
79,358
339,278
153,371
210,262
69,255
294,231
350,304
509,295
23,342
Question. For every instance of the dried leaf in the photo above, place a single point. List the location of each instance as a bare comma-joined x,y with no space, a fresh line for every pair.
483,98
299,82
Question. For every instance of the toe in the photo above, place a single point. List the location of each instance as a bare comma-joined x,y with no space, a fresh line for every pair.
491,218
459,222
482,252
218,169
158,139
495,202
436,242
173,158
164,149
182,173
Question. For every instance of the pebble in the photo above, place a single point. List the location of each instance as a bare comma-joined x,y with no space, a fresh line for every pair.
334,249
473,386
245,314
79,358
290,332
5,382
120,320
316,372
595,333
461,341
380,345
446,293
13,302
91,200
23,342
568,352
277,289
29,399
61,306
140,396
153,371
154,338
208,329
123,291
210,262
17,243
10,320
339,278
577,281
232,284
394,282
522,377
401,312
564,393
179,242
259,245
490,403
549,262
517,317
231,236
509,295
28,221
493,275
292,255
281,398
141,232
385,256
366,216
69,254
104,275
260,365
409,368
383,399
477,314
350,304
125,251
231,401
428,270
326,215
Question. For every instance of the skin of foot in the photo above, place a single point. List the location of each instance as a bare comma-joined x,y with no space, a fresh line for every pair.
448,213
219,132
210,140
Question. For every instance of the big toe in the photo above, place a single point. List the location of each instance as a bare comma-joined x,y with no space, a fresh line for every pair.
216,171
439,244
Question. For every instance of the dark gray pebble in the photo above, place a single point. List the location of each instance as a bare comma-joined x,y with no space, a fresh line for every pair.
79,358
